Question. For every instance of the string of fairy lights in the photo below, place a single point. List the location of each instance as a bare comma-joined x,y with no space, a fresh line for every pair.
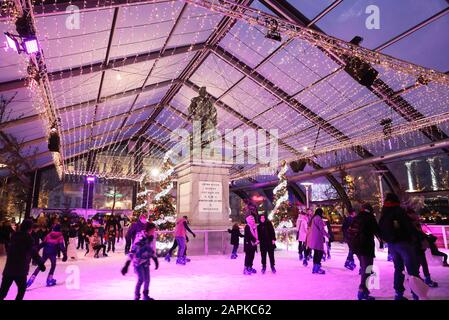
305,73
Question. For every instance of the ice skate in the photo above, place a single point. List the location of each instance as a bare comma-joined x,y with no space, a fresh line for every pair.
30,281
247,271
301,256
431,283
181,261
364,296
186,259
273,269
263,270
253,270
305,263
146,297
317,269
167,257
350,265
445,264
51,282
105,255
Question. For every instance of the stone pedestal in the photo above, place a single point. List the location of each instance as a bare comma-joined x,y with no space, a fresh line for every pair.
203,193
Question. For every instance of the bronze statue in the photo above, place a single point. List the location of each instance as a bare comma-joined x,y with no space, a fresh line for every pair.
203,110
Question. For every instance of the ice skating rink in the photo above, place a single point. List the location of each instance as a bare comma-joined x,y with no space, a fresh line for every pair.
218,277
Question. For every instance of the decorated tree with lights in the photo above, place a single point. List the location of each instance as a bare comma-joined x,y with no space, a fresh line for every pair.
280,215
141,200
164,212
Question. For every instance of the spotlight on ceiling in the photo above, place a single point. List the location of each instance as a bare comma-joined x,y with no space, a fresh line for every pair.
273,30
386,127
361,71
53,140
20,44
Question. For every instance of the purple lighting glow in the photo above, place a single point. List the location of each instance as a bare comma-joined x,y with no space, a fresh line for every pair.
90,179
31,45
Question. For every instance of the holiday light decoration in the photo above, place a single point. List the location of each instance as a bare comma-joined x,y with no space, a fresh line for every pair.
279,215
143,35
164,213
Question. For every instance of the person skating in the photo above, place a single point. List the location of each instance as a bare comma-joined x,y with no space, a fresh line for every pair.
315,240
135,228
112,236
301,228
52,244
421,246
250,244
141,253
235,235
21,251
328,240
95,242
267,242
360,239
432,245
397,231
88,232
349,263
71,247
181,229
81,233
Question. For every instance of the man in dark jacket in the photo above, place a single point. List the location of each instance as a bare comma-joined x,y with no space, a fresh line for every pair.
20,253
267,238
360,237
135,228
397,230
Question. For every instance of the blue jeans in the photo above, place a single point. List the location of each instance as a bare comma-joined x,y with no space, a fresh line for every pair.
235,248
403,254
182,246
143,277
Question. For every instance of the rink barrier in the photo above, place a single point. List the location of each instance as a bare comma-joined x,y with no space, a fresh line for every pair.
217,241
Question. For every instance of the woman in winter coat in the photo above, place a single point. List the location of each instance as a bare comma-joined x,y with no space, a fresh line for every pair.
301,227
315,240
235,235
52,244
421,246
360,238
267,238
250,244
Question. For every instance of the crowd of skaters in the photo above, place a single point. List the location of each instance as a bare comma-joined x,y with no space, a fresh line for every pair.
398,228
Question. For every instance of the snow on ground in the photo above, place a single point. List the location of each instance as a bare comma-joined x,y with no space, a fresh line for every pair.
220,278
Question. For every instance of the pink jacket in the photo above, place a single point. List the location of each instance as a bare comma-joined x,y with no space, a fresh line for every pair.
302,227
180,230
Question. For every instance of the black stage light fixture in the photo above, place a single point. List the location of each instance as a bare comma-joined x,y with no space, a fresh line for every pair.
273,32
53,140
361,71
386,127
298,166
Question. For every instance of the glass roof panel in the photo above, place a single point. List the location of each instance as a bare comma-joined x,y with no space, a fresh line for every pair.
348,19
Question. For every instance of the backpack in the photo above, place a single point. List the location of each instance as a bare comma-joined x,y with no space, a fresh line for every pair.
355,235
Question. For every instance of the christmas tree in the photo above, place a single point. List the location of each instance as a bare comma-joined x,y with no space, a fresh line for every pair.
164,213
142,203
280,213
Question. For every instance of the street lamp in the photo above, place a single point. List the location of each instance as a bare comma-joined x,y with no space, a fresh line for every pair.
307,185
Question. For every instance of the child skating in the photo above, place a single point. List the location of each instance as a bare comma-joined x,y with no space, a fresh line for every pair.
250,245
235,235
141,252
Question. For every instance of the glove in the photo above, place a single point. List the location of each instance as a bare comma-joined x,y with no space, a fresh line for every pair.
194,235
156,263
64,258
125,267
42,267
